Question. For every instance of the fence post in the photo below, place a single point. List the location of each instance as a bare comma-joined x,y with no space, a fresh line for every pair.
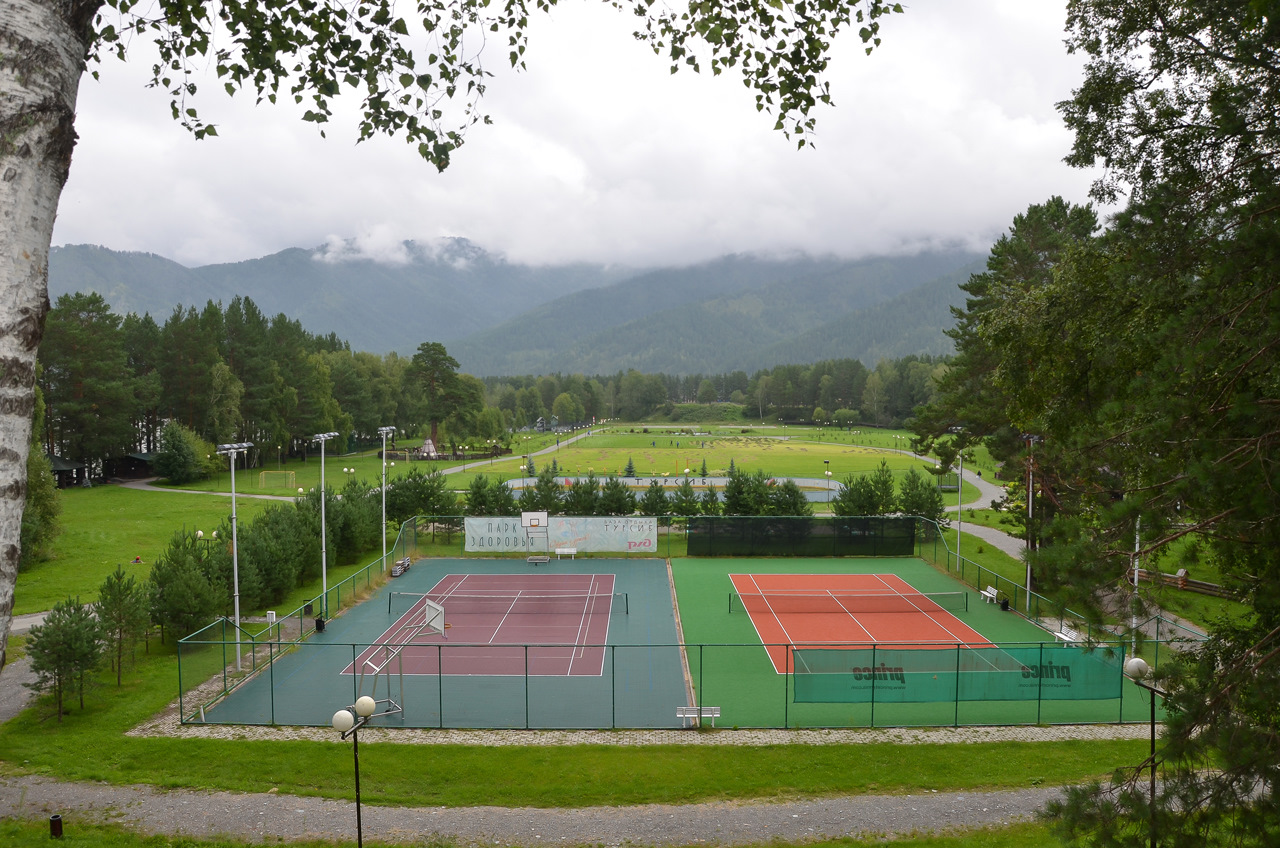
786,688
958,647
1040,684
873,685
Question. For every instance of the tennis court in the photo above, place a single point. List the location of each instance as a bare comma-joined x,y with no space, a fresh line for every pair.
791,610
857,642
568,644
490,618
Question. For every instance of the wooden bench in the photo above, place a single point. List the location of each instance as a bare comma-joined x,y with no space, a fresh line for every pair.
688,714
989,594
1069,635
571,553
538,559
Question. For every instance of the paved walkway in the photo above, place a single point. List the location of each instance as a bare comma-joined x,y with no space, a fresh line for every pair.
272,817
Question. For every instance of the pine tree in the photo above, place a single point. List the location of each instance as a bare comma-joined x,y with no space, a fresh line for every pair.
630,470
654,500
122,613
63,649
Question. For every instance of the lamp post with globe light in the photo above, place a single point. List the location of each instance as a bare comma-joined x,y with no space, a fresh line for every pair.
1138,671
348,722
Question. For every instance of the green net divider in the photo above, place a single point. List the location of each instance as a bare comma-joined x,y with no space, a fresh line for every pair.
933,674
763,536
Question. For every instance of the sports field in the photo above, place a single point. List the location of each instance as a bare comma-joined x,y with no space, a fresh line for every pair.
589,643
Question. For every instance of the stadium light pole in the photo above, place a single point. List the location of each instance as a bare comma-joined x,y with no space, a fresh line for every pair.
348,722
324,542
1031,499
230,451
826,470
384,432
959,431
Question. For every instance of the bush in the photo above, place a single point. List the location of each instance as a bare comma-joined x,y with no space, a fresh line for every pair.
184,456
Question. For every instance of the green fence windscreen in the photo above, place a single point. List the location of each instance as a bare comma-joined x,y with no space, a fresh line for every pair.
762,536
954,673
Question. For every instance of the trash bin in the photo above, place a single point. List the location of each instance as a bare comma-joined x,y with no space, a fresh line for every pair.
55,826
319,625
1004,604
307,609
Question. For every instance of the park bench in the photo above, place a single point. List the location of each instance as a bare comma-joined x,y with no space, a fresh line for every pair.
1069,635
400,567
989,594
688,714
571,553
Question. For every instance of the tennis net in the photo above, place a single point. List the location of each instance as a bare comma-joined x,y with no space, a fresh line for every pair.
521,603
847,602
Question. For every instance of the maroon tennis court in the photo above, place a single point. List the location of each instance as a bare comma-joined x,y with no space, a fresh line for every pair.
503,624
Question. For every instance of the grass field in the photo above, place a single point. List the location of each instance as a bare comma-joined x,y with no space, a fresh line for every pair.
795,452
108,526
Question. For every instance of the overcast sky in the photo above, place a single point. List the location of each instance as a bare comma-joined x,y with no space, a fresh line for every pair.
597,153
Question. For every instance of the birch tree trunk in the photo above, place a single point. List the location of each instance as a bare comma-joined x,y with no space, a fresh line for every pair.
43,45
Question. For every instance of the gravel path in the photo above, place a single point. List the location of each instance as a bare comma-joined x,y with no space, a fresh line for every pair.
271,817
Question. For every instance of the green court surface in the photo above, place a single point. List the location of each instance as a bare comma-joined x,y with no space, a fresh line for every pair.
730,668
640,682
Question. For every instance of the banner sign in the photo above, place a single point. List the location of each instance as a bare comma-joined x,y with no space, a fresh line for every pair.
634,534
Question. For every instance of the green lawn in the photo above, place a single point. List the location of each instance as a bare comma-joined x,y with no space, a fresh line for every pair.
108,526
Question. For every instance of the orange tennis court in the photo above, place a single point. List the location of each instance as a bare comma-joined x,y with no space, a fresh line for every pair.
789,610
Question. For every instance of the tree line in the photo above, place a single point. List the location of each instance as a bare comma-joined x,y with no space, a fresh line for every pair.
113,383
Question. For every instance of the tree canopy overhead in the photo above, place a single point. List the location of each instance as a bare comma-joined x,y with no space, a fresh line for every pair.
421,75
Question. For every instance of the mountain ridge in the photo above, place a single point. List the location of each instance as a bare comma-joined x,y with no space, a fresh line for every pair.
737,312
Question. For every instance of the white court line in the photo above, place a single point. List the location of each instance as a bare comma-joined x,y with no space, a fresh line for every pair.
929,615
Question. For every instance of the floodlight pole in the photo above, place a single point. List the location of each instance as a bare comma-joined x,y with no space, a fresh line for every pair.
1031,500
384,432
230,451
324,541
959,498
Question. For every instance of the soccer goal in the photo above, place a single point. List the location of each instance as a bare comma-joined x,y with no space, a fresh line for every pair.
276,480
